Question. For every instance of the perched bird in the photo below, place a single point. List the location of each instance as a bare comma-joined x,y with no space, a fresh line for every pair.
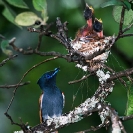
98,27
52,99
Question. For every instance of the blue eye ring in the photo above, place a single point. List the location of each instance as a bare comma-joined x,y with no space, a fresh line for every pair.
48,76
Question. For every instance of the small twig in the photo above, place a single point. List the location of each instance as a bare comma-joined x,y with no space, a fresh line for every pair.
79,80
121,20
126,35
43,32
10,118
1,36
31,51
121,23
15,85
125,118
9,58
22,126
39,42
120,74
127,28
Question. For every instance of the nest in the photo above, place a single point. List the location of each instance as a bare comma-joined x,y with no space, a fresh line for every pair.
88,47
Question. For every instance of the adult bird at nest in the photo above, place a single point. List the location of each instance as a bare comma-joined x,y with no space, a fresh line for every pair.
51,100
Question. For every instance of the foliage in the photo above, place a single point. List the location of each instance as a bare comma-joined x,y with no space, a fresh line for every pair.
118,8
129,109
68,71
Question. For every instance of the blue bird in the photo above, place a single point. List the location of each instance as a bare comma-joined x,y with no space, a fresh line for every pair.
52,99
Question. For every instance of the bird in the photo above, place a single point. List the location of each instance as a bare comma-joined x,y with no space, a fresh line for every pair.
89,16
88,28
51,101
97,31
98,28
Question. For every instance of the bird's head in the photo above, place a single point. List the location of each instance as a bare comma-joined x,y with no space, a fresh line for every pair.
48,78
89,15
98,27
88,12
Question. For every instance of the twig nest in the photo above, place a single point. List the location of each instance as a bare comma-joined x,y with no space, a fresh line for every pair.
95,51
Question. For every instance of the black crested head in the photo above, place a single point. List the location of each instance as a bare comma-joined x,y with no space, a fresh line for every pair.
88,12
98,26
48,78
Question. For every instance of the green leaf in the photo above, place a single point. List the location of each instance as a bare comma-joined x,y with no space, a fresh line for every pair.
129,108
127,5
26,18
41,5
4,45
117,15
111,3
8,15
18,3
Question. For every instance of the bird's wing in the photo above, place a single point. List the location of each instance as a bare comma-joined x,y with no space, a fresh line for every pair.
40,108
63,99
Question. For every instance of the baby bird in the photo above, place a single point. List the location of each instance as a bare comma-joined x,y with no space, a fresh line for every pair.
88,28
89,16
52,99
98,28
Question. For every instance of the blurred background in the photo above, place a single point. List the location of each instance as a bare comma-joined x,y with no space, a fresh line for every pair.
25,104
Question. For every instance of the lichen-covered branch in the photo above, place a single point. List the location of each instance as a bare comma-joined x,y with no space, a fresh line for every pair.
83,110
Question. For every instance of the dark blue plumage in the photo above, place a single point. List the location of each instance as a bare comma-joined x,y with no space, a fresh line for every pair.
51,100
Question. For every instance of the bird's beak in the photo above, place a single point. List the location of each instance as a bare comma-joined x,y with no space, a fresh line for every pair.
56,70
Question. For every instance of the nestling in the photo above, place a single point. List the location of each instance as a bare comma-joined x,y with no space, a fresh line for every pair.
98,27
88,28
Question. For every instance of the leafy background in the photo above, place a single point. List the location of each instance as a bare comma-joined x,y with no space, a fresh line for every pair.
25,104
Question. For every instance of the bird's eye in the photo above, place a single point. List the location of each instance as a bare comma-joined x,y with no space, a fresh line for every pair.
48,76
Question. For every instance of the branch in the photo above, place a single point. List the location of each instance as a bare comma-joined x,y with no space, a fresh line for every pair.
13,86
121,20
126,35
2,37
83,110
125,118
111,70
5,61
120,74
127,28
115,121
79,80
